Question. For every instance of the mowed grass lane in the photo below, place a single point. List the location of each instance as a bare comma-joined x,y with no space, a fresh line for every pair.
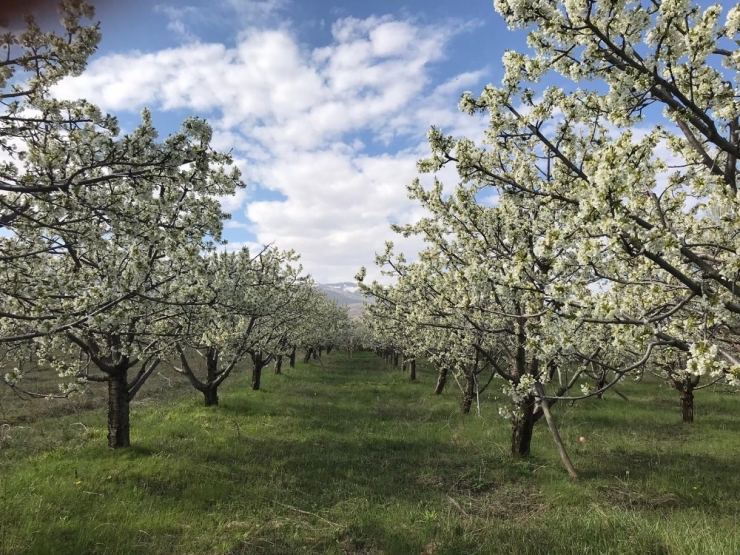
351,458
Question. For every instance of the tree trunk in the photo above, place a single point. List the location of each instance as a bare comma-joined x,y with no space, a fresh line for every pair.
600,383
687,404
118,410
523,420
404,364
210,392
279,364
469,393
522,426
309,352
395,360
412,375
441,381
292,358
329,348
257,374
545,405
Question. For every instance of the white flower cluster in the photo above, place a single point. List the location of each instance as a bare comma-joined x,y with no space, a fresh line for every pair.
704,360
13,377
518,392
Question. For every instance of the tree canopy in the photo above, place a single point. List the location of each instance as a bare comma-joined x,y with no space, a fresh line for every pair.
611,242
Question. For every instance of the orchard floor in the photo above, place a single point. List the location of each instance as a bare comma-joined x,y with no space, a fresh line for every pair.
351,458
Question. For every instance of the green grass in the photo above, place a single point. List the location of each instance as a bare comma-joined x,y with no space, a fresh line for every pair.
351,458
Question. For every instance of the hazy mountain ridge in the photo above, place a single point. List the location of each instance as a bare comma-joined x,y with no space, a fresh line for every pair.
347,294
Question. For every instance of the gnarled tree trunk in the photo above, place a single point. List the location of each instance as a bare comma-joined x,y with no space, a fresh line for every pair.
687,404
412,373
523,419
292,358
441,381
279,364
210,392
600,383
120,390
522,426
118,410
257,373
210,389
469,393
685,385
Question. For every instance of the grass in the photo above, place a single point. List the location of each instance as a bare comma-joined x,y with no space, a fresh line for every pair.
351,458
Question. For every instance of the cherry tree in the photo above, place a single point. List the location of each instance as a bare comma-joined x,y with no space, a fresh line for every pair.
138,261
237,290
387,321
478,299
274,334
102,230
616,223
325,325
639,197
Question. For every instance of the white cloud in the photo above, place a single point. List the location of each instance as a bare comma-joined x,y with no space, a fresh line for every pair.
187,21
315,125
232,203
177,17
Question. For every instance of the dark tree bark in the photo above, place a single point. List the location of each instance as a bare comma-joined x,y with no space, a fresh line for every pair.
687,404
523,419
600,383
292,358
279,364
214,375
309,352
441,381
121,391
210,390
469,393
258,363
395,359
685,386
257,373
211,395
522,426
256,377
412,374
329,348
404,364
118,410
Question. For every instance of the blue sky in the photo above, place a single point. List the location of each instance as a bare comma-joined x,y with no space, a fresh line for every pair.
324,105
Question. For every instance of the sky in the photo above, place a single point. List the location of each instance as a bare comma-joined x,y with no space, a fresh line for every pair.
324,105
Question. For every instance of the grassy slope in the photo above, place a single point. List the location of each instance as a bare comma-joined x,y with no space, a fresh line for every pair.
353,459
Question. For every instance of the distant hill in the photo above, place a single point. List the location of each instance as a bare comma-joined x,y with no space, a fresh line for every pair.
345,293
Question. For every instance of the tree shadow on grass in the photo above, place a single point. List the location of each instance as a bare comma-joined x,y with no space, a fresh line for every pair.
650,480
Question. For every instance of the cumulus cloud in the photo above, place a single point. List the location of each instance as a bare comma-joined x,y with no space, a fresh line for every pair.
335,131
177,17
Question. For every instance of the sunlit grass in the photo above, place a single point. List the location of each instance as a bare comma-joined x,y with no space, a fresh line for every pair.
352,458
